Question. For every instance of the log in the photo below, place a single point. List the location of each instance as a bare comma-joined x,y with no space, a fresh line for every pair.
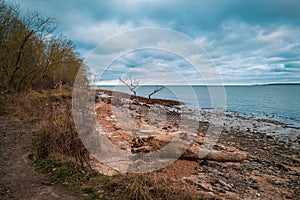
144,149
194,152
222,156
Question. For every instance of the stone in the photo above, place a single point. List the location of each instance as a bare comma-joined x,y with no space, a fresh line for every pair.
224,184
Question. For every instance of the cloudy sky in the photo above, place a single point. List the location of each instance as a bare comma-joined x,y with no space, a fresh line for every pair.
249,42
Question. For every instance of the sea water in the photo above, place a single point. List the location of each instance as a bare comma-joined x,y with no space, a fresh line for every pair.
272,102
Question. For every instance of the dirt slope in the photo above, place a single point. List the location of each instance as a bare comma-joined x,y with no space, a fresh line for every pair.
18,180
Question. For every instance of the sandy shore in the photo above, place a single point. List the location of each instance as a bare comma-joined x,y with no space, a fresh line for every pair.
270,169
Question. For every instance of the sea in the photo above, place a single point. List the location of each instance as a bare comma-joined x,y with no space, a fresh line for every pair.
274,102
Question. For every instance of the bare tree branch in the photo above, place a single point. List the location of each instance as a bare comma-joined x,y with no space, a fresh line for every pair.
131,84
157,89
30,55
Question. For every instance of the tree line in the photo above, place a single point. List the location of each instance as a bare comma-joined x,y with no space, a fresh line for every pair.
32,55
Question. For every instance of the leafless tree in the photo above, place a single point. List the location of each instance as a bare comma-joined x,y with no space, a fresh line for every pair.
131,84
157,89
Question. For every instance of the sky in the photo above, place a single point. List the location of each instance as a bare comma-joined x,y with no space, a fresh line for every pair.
247,42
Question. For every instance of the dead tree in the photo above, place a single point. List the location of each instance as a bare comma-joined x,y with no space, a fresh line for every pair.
157,89
131,84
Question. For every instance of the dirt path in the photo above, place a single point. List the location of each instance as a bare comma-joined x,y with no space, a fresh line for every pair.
18,180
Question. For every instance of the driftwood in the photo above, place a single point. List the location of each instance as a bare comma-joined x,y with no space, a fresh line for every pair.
194,152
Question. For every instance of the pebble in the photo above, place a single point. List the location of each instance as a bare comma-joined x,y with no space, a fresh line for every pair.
257,194
225,185
227,175
276,182
226,188
216,171
242,149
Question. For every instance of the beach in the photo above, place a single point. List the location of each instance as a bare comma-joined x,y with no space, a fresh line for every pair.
250,159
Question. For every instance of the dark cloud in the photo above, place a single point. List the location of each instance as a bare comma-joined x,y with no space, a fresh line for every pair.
184,15
257,36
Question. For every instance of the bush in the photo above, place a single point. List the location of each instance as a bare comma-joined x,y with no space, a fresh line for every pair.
51,112
32,55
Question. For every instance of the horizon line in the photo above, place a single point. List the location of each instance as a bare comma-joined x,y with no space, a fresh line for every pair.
240,84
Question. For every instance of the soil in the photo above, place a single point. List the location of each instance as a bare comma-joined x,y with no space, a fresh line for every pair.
18,180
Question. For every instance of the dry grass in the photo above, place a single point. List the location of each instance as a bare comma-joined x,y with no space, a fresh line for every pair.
51,112
145,186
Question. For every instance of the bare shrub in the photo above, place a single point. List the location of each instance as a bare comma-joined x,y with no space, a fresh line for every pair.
56,135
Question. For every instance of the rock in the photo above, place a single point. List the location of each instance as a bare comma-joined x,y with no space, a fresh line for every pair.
116,127
275,182
47,182
142,122
241,148
296,160
225,185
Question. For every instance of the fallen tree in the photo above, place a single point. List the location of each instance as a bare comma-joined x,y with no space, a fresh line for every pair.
194,152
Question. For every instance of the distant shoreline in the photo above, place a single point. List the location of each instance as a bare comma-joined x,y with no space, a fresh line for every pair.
226,85
279,84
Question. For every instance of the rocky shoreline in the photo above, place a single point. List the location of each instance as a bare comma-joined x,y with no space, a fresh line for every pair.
266,164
